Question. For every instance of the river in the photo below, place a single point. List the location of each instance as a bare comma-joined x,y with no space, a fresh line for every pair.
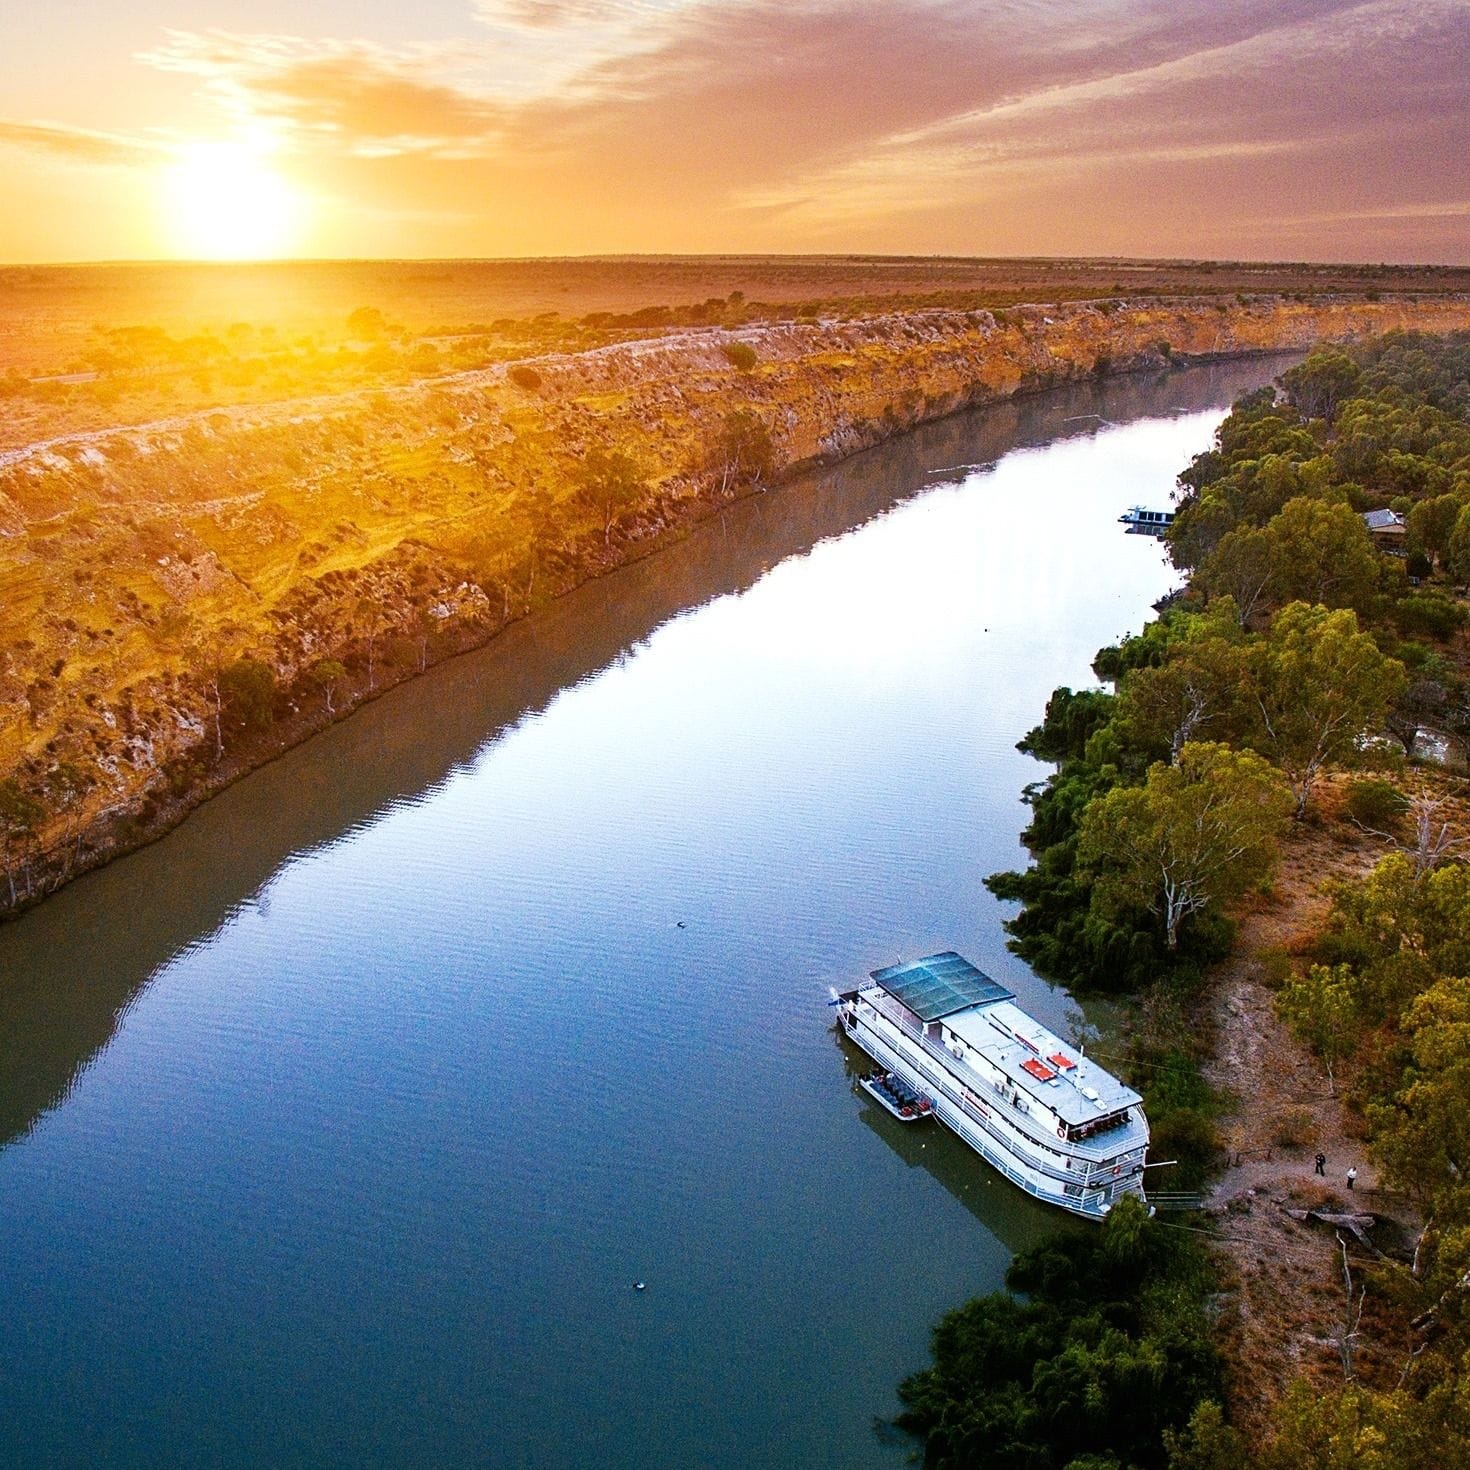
336,1127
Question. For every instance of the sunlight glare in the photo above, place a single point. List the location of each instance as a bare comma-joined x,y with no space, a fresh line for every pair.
227,203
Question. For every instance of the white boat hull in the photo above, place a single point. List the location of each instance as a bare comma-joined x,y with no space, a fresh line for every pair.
1069,1179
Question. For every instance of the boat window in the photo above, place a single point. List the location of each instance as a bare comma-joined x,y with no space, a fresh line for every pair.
1099,1125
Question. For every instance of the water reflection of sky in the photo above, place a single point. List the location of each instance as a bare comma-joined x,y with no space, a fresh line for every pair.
842,649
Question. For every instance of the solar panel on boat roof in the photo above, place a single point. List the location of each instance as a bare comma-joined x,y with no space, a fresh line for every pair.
939,985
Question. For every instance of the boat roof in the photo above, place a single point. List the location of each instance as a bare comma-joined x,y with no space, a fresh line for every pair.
939,985
1382,520
1041,1063
980,1012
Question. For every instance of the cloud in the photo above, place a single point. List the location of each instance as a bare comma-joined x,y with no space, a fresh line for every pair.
990,125
547,15
761,96
80,145
364,98
1448,209
555,42
1310,88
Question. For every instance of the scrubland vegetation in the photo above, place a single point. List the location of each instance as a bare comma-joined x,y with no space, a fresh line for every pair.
88,347
1299,651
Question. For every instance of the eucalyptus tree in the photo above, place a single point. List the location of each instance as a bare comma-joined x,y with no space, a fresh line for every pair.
1197,832
1320,688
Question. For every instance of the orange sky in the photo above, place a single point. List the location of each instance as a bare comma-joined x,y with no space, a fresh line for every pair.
1299,129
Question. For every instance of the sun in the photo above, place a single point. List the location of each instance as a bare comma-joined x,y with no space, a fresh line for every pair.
226,202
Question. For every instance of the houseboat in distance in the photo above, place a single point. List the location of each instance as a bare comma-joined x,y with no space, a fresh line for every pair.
1147,522
1054,1123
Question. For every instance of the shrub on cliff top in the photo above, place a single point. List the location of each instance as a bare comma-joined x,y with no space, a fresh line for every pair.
740,355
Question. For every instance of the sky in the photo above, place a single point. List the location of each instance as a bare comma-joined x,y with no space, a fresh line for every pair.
1241,129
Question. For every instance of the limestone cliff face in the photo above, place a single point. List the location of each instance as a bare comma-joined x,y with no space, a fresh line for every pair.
342,543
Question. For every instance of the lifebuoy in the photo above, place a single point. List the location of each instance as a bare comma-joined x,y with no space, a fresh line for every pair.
1117,1168
1061,1130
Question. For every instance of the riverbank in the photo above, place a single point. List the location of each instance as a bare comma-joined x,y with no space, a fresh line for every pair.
185,600
1283,1306
1282,1302
1305,1017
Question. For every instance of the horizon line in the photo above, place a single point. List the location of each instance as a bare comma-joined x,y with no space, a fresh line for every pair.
706,256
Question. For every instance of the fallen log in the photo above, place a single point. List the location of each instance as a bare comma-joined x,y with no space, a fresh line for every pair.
1358,1224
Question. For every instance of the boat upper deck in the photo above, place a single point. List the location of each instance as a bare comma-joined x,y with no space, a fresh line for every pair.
969,1013
1041,1064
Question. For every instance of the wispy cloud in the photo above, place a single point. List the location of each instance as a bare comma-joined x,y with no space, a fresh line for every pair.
1294,86
541,48
366,99
987,125
79,145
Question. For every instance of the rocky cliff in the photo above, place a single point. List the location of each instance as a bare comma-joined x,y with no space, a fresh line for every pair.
181,600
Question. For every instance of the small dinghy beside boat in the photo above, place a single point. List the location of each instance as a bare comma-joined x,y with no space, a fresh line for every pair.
893,1093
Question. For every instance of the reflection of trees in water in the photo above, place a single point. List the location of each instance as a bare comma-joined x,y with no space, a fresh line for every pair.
69,968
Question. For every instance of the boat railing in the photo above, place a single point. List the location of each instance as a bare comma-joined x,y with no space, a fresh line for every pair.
1096,1156
1089,1194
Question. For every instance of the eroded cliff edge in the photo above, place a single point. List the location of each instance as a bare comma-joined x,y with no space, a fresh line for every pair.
180,601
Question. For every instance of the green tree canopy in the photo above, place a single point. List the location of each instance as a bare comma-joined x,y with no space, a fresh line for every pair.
1207,1442
21,814
327,674
1242,567
1071,721
1431,522
1319,684
743,450
1195,692
1321,552
1316,387
1457,547
1421,1137
1357,1428
1092,1370
1197,832
247,690
1321,1008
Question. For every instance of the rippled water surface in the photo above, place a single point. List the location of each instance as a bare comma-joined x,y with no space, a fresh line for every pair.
337,1126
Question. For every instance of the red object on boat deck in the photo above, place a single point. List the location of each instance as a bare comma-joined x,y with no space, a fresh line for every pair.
1038,1070
1064,1062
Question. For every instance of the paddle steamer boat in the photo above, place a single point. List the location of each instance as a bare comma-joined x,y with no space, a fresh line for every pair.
1032,1106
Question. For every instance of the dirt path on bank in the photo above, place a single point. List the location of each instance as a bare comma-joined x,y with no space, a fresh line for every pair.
1284,1311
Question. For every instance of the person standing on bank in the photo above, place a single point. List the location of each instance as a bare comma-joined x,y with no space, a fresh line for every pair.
1352,1177
1322,1165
